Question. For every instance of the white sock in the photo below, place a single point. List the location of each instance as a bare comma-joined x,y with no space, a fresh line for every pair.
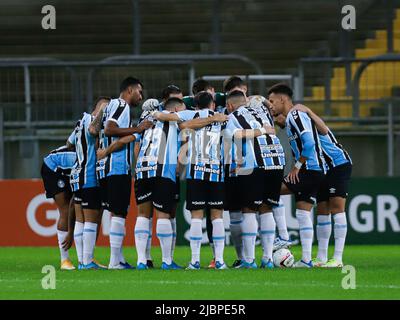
280,219
149,239
340,231
141,236
173,225
324,230
267,231
306,233
89,241
196,235
78,239
164,234
236,232
117,233
61,235
249,234
218,234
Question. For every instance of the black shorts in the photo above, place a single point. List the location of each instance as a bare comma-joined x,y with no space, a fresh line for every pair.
54,182
336,183
307,188
119,193
261,186
77,197
103,193
160,191
233,194
201,194
90,198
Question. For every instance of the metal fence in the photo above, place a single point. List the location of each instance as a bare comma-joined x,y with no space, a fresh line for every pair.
41,99
357,97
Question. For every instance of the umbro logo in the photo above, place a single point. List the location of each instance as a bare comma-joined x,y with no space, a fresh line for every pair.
332,190
60,183
157,205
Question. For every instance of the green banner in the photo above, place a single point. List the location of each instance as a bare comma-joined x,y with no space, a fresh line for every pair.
372,209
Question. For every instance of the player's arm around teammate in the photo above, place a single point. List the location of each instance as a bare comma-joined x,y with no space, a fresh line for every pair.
331,197
308,173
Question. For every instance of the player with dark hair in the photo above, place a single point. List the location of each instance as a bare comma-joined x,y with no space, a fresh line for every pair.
331,197
204,174
259,161
234,83
201,85
169,92
117,124
55,172
86,190
305,178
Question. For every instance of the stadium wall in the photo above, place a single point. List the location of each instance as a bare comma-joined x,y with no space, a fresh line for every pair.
29,219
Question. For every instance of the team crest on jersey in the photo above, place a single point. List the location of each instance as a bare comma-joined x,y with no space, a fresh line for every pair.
60,183
295,114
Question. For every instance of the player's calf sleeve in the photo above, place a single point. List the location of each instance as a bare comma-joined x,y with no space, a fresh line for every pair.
218,236
117,233
324,230
340,231
164,234
236,232
78,240
249,234
280,219
61,235
89,241
267,231
173,225
141,236
196,235
149,239
306,233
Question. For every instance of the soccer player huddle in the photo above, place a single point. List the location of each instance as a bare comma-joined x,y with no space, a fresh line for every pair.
226,147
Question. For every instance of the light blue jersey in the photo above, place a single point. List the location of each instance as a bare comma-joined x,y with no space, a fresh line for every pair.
119,162
83,174
158,151
205,159
61,160
304,140
334,153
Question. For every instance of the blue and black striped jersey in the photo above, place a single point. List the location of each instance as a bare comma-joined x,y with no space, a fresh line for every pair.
60,160
119,162
334,153
83,174
304,140
158,151
205,146
264,151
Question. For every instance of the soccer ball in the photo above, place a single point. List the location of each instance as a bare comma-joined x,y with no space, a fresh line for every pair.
283,258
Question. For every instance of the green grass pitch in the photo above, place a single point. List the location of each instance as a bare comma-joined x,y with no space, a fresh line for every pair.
377,277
